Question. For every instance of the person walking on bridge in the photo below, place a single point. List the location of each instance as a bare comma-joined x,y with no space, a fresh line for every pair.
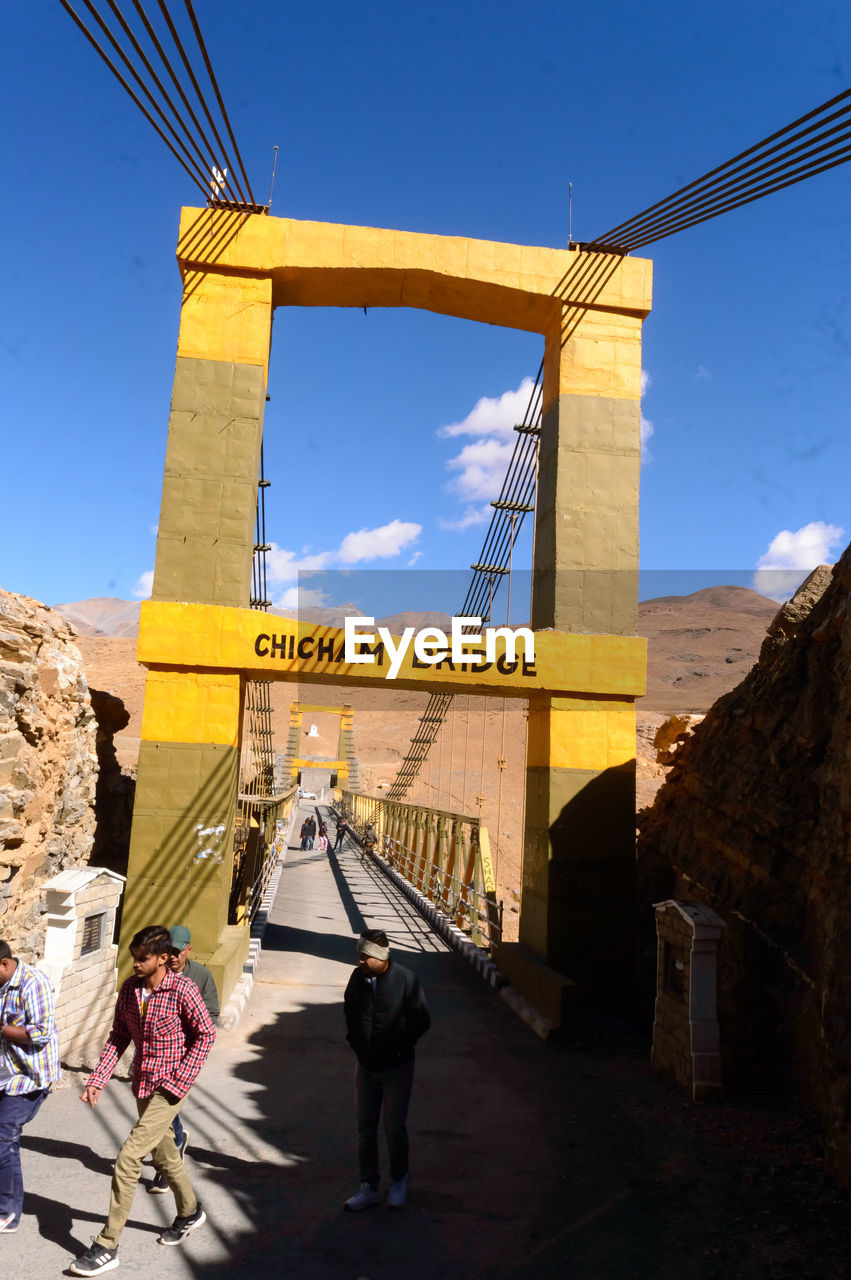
370,840
163,1014
341,832
29,1065
180,962
386,1014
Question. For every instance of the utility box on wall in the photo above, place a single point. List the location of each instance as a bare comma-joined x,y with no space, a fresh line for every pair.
686,1035
80,958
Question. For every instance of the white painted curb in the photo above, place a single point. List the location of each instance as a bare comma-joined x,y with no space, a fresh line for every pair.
233,1010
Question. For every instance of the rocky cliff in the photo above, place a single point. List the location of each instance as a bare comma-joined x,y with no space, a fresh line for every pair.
48,764
755,822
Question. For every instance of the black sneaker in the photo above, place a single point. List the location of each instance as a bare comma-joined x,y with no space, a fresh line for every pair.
158,1186
94,1261
181,1227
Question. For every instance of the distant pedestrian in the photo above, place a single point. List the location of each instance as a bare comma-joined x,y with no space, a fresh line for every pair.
180,962
311,822
341,833
322,843
386,1014
29,1064
370,840
163,1015
305,834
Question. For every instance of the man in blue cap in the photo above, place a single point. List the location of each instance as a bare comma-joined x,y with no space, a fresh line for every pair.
180,962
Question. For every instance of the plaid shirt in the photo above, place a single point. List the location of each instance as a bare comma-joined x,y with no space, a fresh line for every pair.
27,1001
172,1039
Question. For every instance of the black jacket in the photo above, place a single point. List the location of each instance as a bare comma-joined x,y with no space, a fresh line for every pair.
383,1026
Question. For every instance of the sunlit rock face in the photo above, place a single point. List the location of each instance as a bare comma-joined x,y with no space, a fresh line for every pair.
754,820
48,764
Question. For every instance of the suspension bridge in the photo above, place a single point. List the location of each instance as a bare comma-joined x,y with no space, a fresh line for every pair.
210,805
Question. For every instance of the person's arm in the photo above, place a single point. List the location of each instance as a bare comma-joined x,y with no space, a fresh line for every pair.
349,1009
37,1026
199,1041
209,994
417,1016
116,1043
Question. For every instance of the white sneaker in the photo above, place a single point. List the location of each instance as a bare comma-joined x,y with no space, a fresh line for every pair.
366,1198
398,1193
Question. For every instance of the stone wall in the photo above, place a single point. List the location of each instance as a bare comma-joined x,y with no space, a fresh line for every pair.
754,821
48,764
685,1028
84,982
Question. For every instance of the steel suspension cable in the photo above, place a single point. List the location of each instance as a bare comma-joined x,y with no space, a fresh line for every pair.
685,206
152,35
704,191
704,213
199,37
226,163
105,56
128,31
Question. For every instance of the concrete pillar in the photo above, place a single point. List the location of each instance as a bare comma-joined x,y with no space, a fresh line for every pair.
578,873
181,848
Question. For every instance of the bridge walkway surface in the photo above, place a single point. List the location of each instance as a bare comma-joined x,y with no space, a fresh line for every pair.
528,1159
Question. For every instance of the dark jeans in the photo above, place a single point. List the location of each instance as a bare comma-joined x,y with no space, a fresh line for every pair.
392,1089
178,1130
16,1110
341,835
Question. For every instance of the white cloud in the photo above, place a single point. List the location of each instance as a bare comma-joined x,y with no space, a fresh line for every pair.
791,556
414,558
472,516
493,416
144,586
378,544
703,374
301,598
646,433
645,380
283,566
482,466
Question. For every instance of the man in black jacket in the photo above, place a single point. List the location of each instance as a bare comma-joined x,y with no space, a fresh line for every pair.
386,1014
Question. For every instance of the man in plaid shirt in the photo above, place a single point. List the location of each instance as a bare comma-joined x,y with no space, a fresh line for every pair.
163,1014
29,1063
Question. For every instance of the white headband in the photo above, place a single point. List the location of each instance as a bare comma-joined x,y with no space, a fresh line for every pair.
367,948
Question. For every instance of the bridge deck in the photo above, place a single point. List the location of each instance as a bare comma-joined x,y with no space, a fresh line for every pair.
528,1160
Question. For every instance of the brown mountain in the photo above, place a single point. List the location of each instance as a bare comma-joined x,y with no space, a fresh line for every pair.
102,616
700,645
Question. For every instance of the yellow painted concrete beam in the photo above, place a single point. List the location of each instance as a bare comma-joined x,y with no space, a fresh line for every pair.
193,707
334,711
227,318
212,638
580,733
320,264
336,766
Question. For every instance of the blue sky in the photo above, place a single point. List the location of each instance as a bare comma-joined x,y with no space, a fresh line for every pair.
462,118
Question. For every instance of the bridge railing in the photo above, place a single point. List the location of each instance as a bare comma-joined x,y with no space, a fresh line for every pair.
259,838
445,855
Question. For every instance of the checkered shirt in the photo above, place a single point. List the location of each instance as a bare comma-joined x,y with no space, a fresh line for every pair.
27,1001
172,1039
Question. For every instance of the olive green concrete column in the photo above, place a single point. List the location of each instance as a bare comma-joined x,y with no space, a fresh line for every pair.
181,848
578,871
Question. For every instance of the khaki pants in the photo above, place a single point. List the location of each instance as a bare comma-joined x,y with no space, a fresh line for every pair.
151,1134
